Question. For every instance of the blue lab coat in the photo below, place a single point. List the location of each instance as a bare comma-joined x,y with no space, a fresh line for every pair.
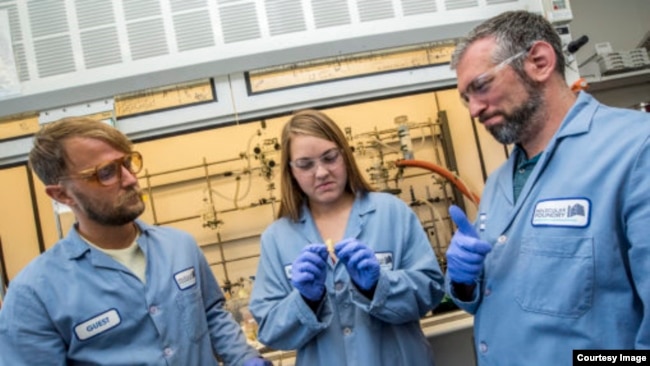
348,328
74,305
570,261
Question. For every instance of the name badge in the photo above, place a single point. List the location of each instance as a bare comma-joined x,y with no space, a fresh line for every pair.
287,271
185,278
563,212
97,325
385,260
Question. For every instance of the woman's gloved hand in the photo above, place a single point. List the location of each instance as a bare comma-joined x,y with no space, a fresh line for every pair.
360,261
309,270
466,252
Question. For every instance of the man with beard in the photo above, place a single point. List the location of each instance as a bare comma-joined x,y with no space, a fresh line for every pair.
114,291
559,256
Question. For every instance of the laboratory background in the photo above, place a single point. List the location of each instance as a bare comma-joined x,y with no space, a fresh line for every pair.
203,88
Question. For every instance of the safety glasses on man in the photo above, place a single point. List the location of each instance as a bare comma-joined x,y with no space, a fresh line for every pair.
110,172
480,85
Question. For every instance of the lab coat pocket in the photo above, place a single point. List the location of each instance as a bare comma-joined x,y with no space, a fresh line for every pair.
190,305
555,275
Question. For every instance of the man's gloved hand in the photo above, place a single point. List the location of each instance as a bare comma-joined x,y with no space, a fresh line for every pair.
257,361
467,252
360,261
309,270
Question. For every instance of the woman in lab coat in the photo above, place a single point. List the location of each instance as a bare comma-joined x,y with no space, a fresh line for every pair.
360,302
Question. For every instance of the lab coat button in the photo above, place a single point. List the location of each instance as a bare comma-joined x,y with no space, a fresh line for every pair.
502,239
483,347
347,331
168,352
338,286
153,310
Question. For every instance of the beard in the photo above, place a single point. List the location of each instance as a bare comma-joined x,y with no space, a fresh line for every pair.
520,124
118,214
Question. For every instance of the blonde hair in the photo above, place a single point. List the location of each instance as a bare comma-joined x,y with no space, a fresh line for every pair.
311,122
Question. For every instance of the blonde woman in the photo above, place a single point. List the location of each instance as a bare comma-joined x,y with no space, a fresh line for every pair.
361,303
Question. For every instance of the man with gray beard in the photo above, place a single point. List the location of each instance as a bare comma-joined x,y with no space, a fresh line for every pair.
559,256
115,290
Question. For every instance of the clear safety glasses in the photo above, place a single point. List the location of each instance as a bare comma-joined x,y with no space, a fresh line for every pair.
480,86
327,160
110,172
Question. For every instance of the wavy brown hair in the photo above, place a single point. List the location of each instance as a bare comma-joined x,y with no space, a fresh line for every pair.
310,122
48,156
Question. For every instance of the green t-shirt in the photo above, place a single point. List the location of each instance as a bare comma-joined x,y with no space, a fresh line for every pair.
523,168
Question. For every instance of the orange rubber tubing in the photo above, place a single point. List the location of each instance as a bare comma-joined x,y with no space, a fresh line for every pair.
445,173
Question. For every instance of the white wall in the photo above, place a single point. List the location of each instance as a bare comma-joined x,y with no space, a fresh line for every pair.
623,24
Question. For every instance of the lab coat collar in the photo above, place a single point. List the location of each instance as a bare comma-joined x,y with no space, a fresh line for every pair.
75,246
362,206
577,121
579,118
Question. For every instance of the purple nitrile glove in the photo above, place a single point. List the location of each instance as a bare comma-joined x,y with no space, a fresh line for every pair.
309,270
360,261
466,252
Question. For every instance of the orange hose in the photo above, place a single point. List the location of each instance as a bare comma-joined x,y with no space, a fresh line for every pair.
445,173
578,85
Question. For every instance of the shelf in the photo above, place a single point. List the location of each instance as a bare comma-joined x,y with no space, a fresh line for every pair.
615,81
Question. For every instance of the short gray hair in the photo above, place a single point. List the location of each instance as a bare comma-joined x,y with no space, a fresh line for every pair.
514,32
